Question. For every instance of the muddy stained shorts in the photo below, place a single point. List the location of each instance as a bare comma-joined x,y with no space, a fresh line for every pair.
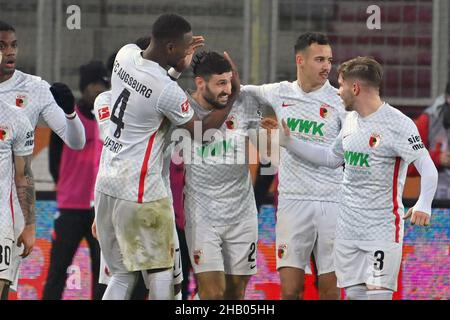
135,236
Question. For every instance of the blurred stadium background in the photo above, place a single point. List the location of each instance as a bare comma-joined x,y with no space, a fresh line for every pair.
412,45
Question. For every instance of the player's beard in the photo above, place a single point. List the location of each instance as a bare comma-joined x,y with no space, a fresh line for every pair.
6,71
209,97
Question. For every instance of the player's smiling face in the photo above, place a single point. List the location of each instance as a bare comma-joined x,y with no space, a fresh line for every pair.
346,93
315,63
217,89
8,49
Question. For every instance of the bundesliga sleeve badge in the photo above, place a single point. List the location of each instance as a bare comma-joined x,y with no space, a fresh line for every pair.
103,113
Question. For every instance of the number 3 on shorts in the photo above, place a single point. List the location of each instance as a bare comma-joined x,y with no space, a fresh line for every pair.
379,256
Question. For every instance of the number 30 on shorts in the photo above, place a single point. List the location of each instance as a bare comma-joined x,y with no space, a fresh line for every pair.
5,255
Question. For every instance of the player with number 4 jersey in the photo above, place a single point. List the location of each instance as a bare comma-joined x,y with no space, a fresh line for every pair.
134,217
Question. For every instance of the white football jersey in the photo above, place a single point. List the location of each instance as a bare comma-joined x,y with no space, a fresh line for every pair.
32,94
218,188
377,150
144,101
16,138
315,117
102,111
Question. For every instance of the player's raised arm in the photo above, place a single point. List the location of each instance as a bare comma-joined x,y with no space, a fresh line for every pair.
61,117
323,156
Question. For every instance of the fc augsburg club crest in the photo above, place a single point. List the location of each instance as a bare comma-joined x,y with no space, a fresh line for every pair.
324,110
21,100
374,140
282,248
197,256
4,133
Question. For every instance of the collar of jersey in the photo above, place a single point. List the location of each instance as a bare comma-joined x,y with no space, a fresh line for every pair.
10,82
300,90
139,61
373,114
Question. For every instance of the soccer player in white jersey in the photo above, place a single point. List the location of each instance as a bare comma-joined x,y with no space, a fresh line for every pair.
377,143
102,113
16,147
133,214
37,99
308,194
220,210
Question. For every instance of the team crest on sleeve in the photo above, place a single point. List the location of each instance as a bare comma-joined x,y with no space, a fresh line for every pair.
374,140
197,256
325,110
282,250
231,122
21,100
4,133
103,113
185,106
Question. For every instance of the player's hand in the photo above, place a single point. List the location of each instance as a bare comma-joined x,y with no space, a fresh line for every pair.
94,229
63,97
27,238
235,80
445,159
183,64
271,124
418,217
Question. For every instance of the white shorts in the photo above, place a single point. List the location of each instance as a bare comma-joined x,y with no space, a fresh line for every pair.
7,247
375,263
135,236
105,274
230,249
304,228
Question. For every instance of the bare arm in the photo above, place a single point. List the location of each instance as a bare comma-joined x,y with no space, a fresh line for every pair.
27,198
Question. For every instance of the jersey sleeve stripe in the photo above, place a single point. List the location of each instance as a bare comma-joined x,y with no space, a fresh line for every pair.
144,167
11,205
394,196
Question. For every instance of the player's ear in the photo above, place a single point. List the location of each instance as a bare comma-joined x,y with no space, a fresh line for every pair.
298,58
356,88
199,82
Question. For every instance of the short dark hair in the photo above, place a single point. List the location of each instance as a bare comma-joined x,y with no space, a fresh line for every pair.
366,69
170,27
6,26
308,38
207,63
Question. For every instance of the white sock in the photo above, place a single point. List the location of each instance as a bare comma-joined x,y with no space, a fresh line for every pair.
380,294
120,286
178,296
357,292
160,285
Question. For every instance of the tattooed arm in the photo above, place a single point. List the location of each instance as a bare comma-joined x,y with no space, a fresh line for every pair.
27,198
